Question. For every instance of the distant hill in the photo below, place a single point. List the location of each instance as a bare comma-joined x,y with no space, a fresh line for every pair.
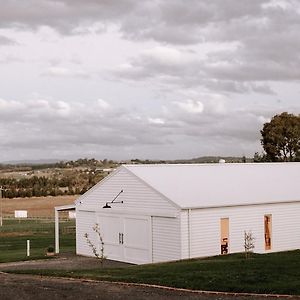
31,162
215,159
197,160
85,162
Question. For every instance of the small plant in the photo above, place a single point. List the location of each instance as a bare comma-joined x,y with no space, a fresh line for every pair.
98,255
248,243
50,251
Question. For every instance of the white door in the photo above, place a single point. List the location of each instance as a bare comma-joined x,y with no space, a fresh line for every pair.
126,238
137,240
110,230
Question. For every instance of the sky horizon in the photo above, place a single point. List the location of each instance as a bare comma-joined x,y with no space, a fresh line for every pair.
163,79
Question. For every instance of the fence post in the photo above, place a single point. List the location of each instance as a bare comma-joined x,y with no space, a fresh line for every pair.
56,231
1,212
28,247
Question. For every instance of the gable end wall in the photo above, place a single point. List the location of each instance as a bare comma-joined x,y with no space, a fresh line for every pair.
136,196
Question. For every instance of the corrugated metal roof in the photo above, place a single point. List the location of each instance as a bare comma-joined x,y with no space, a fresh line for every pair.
216,185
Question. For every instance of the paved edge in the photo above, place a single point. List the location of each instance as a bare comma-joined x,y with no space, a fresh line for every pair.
161,287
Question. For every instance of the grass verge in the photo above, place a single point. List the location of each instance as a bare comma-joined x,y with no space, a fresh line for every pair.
15,233
276,273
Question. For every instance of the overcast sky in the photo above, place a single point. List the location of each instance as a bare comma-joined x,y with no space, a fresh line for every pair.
158,79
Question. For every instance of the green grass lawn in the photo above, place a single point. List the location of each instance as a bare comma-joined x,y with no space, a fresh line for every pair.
269,273
14,234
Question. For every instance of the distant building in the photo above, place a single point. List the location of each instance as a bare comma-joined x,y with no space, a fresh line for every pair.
108,170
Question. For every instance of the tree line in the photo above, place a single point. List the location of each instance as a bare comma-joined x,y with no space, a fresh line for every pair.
37,186
81,162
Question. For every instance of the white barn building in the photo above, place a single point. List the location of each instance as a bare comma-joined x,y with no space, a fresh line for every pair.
170,212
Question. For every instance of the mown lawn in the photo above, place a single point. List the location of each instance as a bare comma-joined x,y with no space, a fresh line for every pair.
14,234
269,273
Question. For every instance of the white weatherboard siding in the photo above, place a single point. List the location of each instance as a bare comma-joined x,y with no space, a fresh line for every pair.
85,220
205,228
166,238
185,234
137,195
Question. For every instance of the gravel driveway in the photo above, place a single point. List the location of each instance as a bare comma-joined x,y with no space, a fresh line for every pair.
62,262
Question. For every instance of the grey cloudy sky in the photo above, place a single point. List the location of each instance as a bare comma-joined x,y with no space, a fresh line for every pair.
144,79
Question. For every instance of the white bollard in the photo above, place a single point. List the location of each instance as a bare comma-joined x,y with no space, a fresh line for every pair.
28,247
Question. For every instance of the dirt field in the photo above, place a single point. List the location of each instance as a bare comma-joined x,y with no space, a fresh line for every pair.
36,206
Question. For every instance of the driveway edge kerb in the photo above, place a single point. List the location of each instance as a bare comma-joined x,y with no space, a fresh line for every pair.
192,291
164,287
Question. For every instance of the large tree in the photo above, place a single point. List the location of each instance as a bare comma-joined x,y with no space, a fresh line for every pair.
281,137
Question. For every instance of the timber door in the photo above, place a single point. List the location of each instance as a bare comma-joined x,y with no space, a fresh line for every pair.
126,238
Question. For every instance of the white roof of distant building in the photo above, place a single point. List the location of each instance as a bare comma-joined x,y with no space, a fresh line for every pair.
216,185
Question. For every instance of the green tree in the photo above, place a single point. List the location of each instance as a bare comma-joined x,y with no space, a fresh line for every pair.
281,137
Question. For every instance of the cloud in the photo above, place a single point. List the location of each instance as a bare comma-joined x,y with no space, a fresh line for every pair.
250,45
191,106
63,15
263,119
65,72
156,121
157,62
170,66
57,129
164,21
164,56
103,104
6,41
10,106
64,124
195,78
263,35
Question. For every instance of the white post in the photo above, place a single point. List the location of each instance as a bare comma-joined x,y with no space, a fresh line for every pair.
1,217
56,231
28,247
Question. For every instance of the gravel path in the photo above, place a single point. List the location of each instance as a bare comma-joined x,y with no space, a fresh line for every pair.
62,262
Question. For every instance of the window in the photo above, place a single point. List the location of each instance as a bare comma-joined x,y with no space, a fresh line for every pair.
268,231
224,235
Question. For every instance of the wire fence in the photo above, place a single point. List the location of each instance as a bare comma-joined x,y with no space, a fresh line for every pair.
39,231
62,218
